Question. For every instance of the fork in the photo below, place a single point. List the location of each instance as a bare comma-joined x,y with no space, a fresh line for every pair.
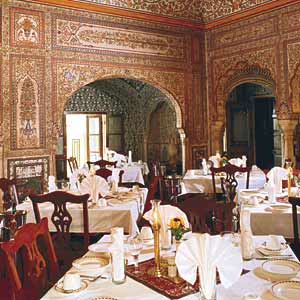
92,278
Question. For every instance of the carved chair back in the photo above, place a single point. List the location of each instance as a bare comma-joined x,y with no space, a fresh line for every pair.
73,164
105,173
229,183
62,219
30,262
102,163
207,215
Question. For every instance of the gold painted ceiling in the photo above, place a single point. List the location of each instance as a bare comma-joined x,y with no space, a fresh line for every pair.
196,10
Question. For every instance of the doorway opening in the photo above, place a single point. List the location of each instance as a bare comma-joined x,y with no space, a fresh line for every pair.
252,127
115,115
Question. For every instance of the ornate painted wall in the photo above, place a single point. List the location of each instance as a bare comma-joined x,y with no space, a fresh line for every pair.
48,53
197,10
263,49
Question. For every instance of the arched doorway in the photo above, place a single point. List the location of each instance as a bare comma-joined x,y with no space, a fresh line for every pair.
252,127
123,106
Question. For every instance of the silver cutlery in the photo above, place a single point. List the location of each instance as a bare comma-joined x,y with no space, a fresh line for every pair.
92,278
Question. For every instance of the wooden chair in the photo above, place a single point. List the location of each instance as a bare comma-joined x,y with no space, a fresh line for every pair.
229,183
67,246
295,201
72,161
152,189
10,195
105,173
102,163
207,215
28,263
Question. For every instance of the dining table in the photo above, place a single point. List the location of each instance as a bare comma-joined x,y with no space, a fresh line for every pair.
194,181
123,210
134,172
266,217
248,286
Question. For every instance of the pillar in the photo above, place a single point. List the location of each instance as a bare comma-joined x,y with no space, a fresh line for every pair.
288,127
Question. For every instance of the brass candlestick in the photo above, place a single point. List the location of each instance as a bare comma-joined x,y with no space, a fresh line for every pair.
156,228
289,174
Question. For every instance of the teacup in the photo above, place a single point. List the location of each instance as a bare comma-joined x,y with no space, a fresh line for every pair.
135,188
71,281
274,242
146,233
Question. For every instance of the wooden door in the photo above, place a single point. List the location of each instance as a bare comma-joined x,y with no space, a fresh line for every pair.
239,131
264,133
115,133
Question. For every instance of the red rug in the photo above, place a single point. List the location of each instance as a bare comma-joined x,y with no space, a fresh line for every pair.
172,288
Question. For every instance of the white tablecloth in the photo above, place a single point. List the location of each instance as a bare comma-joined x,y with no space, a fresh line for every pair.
264,221
195,182
132,290
101,219
135,172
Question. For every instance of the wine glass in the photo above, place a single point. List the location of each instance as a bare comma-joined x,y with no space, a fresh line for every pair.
135,246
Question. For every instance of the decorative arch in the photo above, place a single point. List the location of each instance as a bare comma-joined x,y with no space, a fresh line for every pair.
242,72
69,77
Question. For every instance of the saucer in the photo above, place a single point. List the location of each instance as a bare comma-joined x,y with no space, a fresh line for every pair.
60,287
268,251
104,298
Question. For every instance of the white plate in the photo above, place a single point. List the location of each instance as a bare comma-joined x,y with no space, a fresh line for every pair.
280,207
286,290
103,298
281,267
90,263
99,247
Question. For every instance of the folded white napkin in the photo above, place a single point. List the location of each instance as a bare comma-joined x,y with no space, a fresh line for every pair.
119,158
236,161
167,212
275,175
115,175
216,161
208,253
94,185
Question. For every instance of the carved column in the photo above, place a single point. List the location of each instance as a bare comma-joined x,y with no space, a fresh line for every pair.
216,136
288,127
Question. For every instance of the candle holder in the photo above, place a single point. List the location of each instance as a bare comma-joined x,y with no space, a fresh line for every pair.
289,174
156,228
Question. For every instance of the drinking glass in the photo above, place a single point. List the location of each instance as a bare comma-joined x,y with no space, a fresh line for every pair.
135,246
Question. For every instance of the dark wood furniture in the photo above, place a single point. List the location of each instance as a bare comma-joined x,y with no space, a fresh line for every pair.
102,163
229,182
295,245
28,263
105,173
73,164
152,189
68,246
8,187
207,215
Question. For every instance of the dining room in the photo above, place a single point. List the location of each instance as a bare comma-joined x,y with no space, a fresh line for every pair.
149,150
